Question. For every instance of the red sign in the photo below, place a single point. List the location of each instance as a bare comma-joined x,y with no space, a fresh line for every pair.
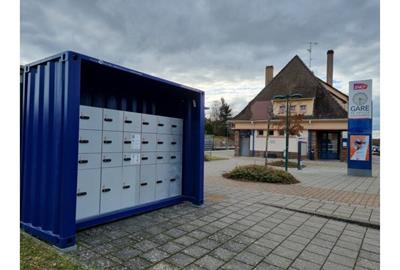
360,86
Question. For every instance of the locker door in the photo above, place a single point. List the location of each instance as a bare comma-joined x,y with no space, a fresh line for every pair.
89,141
163,125
112,141
88,193
163,142
90,118
162,184
149,123
113,120
174,143
149,142
89,161
110,189
176,126
130,159
175,180
148,158
147,183
132,122
109,160
162,157
132,142
130,186
174,157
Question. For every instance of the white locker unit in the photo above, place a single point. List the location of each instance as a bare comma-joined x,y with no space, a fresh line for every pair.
88,196
113,120
111,191
126,159
90,118
89,141
132,122
130,186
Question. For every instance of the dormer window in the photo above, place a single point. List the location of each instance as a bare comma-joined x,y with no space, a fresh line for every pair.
303,108
292,108
282,109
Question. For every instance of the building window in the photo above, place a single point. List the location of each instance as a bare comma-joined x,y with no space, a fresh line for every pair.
303,108
282,109
292,108
281,132
271,132
260,132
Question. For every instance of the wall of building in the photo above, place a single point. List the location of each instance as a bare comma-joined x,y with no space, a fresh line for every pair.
275,143
309,103
334,124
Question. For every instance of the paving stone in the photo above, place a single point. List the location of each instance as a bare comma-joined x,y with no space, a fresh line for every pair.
219,237
293,245
161,239
339,259
305,265
236,265
259,250
345,252
193,267
195,251
180,259
163,266
371,248
101,262
267,243
186,240
286,252
171,247
138,263
334,266
248,258
234,246
145,245
208,244
243,239
370,264
198,234
223,254
369,255
278,261
175,233
126,253
267,266
210,263
155,255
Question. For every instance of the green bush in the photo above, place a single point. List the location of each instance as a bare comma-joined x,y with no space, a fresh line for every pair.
281,163
260,173
211,158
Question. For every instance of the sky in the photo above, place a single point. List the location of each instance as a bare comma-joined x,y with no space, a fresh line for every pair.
221,47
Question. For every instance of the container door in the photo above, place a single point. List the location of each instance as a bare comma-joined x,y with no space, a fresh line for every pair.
89,161
162,184
149,123
130,159
148,158
89,141
113,120
88,193
131,142
112,141
149,142
132,122
175,143
162,142
130,186
109,160
90,118
175,157
163,125
147,183
162,157
110,189
175,180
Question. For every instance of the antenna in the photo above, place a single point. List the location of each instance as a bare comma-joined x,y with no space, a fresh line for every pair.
311,43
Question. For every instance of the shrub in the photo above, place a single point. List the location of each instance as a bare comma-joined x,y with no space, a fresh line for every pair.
281,163
260,173
211,158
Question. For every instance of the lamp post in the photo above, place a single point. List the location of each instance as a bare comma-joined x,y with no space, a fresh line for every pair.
287,98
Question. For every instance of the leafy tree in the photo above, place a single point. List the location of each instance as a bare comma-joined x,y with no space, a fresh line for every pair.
217,124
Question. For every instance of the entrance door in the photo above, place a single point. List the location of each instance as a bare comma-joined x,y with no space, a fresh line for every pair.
244,144
329,145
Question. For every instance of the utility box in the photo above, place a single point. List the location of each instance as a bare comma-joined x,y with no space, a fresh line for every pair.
102,142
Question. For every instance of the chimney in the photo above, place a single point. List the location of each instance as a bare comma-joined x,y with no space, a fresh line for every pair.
269,74
329,67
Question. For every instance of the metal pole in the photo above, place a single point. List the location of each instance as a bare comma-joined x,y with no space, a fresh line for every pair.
287,134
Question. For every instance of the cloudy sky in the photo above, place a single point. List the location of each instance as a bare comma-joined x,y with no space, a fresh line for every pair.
221,47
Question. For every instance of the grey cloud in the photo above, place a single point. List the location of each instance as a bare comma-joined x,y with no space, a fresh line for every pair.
221,47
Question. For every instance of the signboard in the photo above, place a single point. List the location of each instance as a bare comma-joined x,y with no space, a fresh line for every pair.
360,99
359,137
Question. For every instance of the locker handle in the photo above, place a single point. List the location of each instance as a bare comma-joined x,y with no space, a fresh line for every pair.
127,142
173,143
160,157
145,142
107,160
126,187
108,119
127,159
159,182
106,189
81,194
172,180
143,184
84,117
145,123
83,161
160,142
107,141
145,158
173,157
160,125
128,121
174,126
83,141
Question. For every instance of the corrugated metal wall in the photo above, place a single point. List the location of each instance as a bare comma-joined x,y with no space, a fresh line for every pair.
50,123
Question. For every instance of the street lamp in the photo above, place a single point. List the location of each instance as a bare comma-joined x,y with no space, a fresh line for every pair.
287,98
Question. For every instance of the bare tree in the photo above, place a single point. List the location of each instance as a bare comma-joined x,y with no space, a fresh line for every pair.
270,114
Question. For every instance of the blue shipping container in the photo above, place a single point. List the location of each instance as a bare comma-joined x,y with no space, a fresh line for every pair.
53,90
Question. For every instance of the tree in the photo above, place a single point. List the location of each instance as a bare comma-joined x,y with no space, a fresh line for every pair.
295,124
270,114
220,112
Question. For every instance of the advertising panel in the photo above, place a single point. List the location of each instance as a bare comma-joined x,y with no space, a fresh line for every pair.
360,99
359,147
